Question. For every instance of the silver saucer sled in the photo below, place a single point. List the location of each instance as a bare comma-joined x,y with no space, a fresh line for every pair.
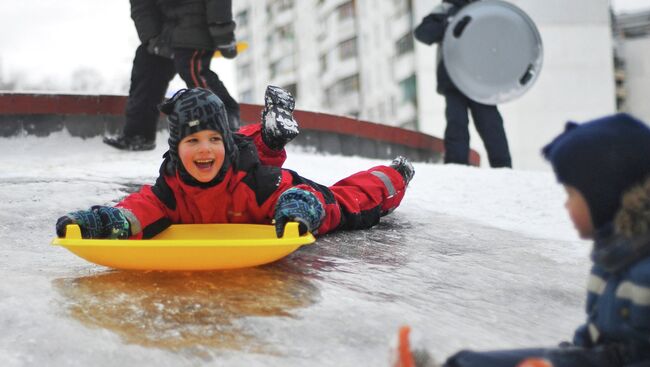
493,51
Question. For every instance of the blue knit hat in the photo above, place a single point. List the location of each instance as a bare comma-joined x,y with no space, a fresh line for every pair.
602,159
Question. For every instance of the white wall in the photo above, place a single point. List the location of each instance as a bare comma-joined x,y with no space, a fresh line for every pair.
576,81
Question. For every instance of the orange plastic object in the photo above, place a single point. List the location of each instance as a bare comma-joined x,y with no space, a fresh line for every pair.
535,362
405,359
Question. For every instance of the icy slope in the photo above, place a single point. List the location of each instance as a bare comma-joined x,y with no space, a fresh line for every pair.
474,258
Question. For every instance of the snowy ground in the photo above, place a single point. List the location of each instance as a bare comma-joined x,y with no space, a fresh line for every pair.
474,258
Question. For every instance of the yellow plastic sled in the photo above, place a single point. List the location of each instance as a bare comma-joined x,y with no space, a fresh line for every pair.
190,247
241,47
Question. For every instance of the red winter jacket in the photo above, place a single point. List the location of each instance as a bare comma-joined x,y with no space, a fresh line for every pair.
247,194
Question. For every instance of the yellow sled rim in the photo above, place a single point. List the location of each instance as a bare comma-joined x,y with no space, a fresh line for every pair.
190,247
241,47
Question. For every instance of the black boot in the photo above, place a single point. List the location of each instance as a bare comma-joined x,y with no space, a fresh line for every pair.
404,168
278,125
134,143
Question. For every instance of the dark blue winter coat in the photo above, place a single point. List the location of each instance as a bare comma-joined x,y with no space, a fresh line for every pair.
617,331
432,30
618,299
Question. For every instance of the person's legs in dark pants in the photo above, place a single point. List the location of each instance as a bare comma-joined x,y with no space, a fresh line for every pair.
150,77
456,132
489,124
194,67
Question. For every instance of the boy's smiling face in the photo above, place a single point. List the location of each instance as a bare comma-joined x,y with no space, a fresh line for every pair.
579,212
202,154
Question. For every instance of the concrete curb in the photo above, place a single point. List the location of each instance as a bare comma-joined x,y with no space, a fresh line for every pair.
92,115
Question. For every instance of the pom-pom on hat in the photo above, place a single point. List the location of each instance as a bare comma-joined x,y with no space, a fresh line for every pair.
190,111
602,159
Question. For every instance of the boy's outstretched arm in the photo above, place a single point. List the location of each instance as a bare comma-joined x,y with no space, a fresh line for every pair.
267,156
277,127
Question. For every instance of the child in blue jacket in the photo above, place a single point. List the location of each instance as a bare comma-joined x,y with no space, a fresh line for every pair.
604,166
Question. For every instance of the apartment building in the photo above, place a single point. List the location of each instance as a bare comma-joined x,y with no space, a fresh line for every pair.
331,57
632,56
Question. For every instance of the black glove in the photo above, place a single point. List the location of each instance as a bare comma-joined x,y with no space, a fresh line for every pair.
228,50
98,222
300,206
223,35
433,26
157,46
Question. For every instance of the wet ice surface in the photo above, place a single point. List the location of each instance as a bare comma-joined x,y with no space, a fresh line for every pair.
473,258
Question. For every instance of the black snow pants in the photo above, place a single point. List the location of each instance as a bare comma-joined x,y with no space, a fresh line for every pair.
489,125
150,77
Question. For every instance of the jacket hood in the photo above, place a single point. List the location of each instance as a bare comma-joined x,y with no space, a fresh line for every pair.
626,240
633,219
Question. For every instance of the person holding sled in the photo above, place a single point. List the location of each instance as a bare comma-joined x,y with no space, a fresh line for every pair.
178,37
212,175
604,166
487,119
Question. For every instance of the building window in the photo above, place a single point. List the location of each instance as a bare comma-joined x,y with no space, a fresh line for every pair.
346,11
341,88
408,87
242,18
280,34
404,44
278,6
284,33
348,85
348,49
285,5
283,65
273,69
323,63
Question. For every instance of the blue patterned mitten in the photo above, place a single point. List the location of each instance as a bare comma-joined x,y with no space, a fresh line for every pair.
98,222
300,206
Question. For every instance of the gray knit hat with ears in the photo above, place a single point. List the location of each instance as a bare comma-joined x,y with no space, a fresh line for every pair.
190,111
